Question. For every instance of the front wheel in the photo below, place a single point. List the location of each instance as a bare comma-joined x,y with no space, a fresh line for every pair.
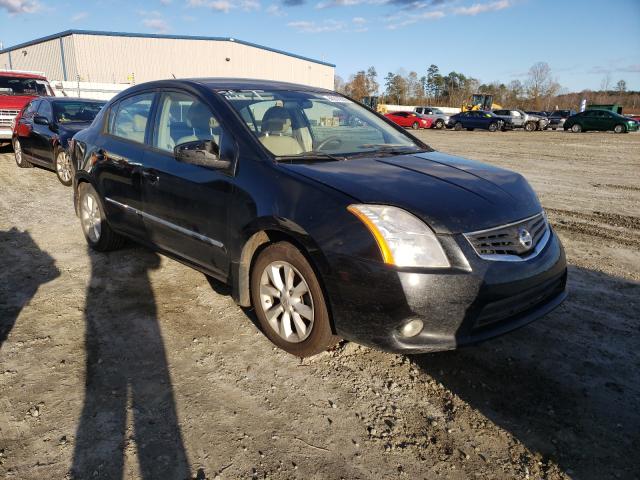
576,128
289,302
64,170
20,160
97,231
619,128
530,127
439,124
458,126
415,125
493,127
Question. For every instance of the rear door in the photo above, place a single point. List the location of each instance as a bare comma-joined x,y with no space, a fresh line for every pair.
122,150
24,127
185,205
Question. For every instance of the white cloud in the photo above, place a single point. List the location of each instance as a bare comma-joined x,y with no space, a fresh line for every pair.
79,16
275,10
399,21
359,20
158,25
165,2
225,6
305,26
477,8
20,6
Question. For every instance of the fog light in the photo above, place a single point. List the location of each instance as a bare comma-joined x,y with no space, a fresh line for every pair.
412,328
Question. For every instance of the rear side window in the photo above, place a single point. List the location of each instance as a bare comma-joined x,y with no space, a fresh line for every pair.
45,110
132,117
31,108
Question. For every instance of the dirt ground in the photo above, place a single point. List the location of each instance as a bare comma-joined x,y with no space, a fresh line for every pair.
131,365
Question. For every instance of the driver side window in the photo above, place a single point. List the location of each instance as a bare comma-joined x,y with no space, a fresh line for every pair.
183,119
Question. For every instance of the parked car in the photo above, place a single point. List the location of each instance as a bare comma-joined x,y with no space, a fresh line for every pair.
409,119
438,117
478,119
520,119
600,120
17,88
43,129
327,231
558,117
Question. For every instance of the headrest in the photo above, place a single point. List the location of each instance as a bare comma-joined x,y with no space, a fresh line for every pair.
276,120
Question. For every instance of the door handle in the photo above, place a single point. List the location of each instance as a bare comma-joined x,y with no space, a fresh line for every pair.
151,176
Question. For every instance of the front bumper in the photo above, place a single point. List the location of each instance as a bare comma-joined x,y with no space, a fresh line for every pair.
6,133
370,301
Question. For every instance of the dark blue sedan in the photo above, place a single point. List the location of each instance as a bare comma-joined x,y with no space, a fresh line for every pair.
476,119
325,217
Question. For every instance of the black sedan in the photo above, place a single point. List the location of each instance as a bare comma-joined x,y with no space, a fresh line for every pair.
478,119
325,217
43,129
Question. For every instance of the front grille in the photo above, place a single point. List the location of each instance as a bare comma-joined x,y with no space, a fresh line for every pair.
7,116
514,241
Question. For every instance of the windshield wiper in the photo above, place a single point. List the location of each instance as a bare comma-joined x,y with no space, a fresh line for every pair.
386,149
310,156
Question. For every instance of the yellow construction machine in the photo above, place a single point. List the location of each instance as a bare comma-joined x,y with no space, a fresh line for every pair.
480,101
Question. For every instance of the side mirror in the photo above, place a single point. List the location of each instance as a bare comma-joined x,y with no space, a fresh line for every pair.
40,120
204,153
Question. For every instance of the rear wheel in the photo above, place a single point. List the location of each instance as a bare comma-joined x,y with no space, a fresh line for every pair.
576,128
64,170
289,301
20,160
493,127
439,124
530,126
619,128
458,126
415,125
97,231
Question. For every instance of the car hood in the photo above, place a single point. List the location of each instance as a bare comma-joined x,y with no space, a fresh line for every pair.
451,194
14,102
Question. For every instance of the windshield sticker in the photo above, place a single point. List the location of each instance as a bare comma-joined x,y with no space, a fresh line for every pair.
336,99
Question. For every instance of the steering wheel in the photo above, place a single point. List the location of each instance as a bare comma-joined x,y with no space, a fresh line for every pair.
327,141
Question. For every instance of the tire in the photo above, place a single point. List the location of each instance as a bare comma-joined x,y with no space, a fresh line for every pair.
530,127
469,129
97,231
493,127
19,155
619,128
458,126
439,124
553,128
300,324
415,125
64,168
576,128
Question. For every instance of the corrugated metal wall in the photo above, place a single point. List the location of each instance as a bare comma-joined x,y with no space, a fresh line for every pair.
41,57
114,59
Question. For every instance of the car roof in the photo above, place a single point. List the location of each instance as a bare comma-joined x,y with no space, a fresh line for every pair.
71,99
9,73
238,84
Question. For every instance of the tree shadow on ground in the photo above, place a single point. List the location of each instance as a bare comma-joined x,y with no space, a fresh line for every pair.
126,376
23,268
566,386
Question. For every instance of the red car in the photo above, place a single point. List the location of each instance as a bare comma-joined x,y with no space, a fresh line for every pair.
409,119
17,88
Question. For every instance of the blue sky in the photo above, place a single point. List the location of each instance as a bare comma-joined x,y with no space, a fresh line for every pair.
583,41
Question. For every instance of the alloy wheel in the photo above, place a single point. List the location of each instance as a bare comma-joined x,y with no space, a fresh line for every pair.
90,217
63,167
286,300
17,150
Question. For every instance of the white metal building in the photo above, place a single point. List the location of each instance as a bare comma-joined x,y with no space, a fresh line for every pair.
114,57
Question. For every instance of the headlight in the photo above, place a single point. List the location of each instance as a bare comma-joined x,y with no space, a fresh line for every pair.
403,239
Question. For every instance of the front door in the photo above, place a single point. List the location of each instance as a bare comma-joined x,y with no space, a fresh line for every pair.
122,151
186,205
42,135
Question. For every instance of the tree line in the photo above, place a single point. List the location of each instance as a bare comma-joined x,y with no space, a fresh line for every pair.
539,91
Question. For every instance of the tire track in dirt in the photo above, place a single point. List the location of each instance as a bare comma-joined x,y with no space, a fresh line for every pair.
613,186
624,229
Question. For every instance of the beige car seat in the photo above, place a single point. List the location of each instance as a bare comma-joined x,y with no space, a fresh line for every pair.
277,134
202,123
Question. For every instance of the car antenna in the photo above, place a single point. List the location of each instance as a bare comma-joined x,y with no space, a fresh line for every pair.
173,75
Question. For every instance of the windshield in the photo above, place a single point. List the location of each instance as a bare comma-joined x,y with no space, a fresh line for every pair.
24,86
292,123
67,112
